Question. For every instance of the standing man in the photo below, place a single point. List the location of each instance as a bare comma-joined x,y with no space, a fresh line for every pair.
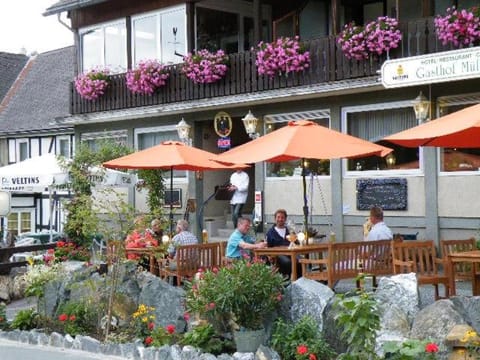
379,230
239,240
239,185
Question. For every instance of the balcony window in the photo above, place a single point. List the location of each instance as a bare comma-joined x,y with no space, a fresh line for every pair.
160,35
373,123
104,46
293,168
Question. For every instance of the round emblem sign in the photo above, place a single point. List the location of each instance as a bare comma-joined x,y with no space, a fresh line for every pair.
223,124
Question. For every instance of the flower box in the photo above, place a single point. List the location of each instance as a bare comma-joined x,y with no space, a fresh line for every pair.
282,56
92,84
147,77
459,27
205,67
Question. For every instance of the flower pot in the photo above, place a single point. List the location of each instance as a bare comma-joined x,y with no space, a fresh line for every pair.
248,340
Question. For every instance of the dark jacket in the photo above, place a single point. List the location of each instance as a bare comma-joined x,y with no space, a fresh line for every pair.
274,238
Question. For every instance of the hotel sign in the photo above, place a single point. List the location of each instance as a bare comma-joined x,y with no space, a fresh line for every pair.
434,68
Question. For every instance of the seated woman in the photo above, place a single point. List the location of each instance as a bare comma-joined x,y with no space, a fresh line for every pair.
277,236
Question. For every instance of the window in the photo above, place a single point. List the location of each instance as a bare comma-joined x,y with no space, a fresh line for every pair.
20,221
373,123
93,139
104,46
160,35
294,168
63,146
146,138
22,150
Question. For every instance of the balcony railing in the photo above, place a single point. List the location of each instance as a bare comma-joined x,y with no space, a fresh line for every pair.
328,63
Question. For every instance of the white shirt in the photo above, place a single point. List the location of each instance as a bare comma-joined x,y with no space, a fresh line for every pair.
240,180
380,231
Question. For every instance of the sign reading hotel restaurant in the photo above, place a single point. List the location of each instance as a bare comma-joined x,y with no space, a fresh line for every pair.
432,68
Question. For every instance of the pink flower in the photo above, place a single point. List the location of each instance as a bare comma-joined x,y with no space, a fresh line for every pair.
170,328
72,317
146,78
92,84
151,326
204,67
186,316
312,357
459,27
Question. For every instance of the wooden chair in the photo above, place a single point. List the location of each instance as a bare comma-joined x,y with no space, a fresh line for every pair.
463,271
420,257
188,259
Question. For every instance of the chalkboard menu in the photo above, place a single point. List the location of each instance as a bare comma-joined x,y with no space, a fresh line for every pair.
389,194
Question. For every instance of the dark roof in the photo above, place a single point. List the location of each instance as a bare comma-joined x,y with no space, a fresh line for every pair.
40,94
67,5
10,67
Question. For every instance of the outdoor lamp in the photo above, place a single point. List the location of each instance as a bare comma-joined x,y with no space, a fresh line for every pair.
183,130
250,123
391,160
421,106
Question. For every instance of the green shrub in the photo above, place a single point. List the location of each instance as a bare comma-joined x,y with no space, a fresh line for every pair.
411,349
77,317
25,320
3,317
300,340
205,338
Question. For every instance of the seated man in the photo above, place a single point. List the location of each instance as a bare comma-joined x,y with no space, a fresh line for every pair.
156,230
277,236
379,230
183,237
239,242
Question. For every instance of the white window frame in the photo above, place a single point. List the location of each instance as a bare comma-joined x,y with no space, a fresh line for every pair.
19,142
465,99
379,173
279,118
23,210
158,15
102,26
165,128
58,140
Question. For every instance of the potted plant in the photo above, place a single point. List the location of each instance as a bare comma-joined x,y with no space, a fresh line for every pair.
205,67
92,84
147,77
282,56
352,41
240,297
382,35
459,27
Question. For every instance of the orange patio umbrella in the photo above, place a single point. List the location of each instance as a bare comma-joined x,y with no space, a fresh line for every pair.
460,129
302,140
172,155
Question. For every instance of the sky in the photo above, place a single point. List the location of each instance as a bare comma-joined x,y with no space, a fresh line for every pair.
22,25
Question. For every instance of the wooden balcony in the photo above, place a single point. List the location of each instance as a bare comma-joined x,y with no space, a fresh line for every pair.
328,63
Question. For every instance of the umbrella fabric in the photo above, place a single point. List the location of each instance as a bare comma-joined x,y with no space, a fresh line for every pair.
460,129
170,155
302,140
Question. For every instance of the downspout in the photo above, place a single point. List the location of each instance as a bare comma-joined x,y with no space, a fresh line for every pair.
76,42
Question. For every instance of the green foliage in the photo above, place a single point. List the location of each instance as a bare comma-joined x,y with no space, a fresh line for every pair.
25,320
287,337
411,349
205,338
154,182
242,292
37,276
3,317
359,319
77,317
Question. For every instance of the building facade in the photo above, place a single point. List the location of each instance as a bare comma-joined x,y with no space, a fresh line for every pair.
423,190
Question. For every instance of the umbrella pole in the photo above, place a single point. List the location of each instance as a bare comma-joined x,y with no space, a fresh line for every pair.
305,201
171,201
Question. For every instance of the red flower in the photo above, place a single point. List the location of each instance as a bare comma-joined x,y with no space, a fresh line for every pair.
60,243
215,270
302,349
63,317
279,297
151,325
186,316
431,348
312,357
148,340
72,317
170,328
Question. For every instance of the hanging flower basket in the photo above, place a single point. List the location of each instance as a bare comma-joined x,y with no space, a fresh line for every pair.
205,67
92,84
377,37
382,35
283,56
352,41
147,77
459,27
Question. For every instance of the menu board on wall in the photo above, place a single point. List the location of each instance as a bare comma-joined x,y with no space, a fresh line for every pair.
389,194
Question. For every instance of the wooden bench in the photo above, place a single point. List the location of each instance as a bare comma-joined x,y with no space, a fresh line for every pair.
420,257
463,271
349,260
188,259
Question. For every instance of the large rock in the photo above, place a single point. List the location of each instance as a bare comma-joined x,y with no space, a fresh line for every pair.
5,285
306,297
470,306
435,321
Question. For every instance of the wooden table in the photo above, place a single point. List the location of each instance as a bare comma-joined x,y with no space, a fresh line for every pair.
150,252
292,252
472,257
